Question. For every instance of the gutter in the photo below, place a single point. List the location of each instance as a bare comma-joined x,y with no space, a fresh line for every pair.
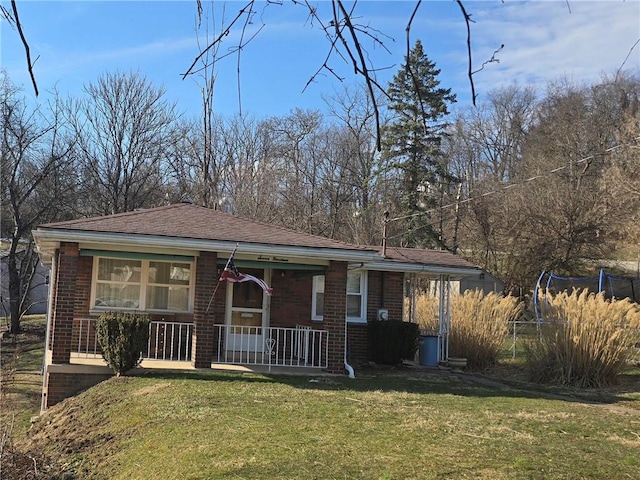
49,240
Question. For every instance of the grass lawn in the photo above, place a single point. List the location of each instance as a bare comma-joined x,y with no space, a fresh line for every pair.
21,359
384,424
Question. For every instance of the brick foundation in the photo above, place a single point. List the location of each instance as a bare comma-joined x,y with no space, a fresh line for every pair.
63,381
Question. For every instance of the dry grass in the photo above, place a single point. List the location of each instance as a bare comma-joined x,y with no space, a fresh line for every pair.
417,424
20,388
586,340
388,423
479,324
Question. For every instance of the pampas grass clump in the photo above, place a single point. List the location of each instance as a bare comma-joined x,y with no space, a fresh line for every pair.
479,324
586,340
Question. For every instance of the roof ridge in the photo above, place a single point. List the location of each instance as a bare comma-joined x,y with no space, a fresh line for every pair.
96,218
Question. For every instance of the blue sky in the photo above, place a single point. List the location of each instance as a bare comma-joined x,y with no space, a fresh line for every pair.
76,41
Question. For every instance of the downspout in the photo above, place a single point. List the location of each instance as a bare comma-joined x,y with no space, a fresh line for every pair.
52,281
347,367
52,286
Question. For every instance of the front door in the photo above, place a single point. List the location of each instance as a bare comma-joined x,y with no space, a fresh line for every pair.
247,314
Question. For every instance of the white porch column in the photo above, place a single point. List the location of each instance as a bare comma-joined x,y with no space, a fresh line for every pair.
444,317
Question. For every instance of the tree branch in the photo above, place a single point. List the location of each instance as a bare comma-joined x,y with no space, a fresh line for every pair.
224,33
15,20
467,20
410,70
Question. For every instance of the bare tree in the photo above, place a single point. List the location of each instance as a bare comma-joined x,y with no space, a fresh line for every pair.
617,99
363,168
252,173
125,132
298,150
349,37
484,149
569,221
38,183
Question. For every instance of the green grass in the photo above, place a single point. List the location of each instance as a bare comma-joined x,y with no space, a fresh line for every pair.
391,426
384,424
21,358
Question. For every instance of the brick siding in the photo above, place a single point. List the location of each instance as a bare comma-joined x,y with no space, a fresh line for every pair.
291,299
64,306
290,306
203,313
335,310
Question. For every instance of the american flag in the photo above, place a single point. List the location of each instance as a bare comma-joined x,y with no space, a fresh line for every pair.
231,274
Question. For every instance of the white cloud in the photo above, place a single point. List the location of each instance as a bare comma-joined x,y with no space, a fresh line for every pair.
545,41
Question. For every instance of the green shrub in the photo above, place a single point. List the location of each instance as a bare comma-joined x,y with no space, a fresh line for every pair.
392,341
585,341
479,324
122,338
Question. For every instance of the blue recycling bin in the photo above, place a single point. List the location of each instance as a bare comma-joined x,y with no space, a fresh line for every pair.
428,350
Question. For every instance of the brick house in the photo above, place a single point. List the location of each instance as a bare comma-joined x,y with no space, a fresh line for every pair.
167,262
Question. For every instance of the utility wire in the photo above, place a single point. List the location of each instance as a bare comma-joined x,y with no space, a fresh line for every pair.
512,185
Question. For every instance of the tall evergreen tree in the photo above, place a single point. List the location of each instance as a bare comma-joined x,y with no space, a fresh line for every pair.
411,145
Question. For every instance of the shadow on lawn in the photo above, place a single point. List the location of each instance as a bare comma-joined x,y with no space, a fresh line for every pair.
415,381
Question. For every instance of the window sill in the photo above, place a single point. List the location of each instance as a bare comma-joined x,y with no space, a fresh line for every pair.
357,321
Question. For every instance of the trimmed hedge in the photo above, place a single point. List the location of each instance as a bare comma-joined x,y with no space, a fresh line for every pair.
392,341
122,338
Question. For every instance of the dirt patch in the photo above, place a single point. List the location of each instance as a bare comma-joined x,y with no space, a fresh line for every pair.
151,389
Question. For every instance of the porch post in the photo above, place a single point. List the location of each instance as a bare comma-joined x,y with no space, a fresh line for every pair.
203,329
444,317
64,302
335,314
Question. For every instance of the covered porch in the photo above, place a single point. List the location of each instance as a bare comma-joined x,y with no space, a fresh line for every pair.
170,345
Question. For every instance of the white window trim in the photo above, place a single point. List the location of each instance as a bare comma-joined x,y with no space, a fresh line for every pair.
144,276
363,298
314,290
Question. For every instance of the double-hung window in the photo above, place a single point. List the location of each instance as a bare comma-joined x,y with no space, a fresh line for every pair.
356,297
140,284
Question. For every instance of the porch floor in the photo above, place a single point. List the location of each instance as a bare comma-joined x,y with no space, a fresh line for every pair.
156,365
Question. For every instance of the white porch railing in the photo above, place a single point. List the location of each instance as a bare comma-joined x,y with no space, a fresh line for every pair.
169,341
271,346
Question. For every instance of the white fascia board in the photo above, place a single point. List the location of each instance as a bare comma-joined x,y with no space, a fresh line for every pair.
420,268
52,238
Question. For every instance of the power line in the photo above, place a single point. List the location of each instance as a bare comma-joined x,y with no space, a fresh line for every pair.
512,185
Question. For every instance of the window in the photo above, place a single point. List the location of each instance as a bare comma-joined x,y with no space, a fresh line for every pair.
356,297
317,302
142,284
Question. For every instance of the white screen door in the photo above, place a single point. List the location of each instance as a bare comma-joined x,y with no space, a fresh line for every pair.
247,314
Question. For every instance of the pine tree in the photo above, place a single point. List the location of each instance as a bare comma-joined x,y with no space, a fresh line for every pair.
411,144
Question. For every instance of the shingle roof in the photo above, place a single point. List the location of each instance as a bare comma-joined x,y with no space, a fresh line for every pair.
187,222
184,220
427,257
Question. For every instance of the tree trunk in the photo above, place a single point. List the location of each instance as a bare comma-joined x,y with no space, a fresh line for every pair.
14,291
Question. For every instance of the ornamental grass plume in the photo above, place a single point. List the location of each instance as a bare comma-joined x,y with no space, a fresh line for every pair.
585,340
479,324
426,312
